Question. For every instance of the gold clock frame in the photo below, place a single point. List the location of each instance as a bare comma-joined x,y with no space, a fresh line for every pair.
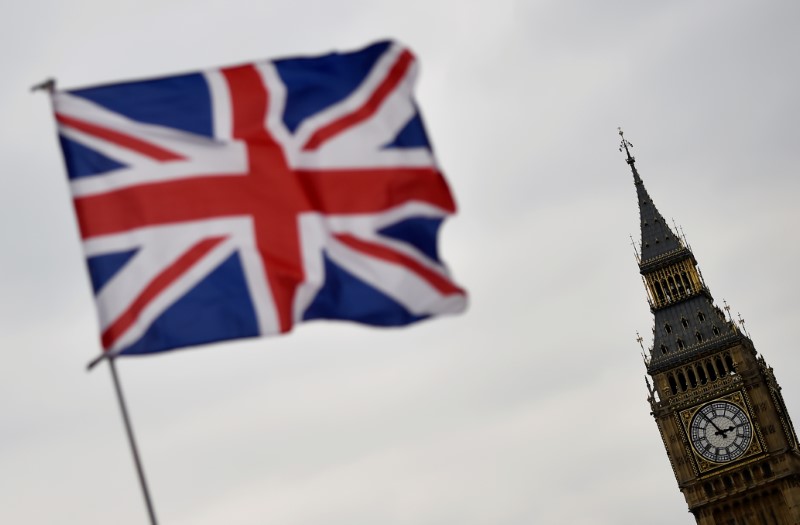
739,399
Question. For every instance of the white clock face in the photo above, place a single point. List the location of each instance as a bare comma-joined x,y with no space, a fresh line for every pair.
721,431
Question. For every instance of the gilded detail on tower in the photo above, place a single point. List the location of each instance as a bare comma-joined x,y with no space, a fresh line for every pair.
673,283
721,431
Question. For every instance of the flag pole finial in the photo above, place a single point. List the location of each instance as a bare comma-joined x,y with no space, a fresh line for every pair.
48,85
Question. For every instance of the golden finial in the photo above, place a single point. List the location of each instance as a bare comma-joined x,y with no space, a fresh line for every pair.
635,249
625,145
644,354
728,309
741,323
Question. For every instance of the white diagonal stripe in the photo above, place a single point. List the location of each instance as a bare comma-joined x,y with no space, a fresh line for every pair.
355,100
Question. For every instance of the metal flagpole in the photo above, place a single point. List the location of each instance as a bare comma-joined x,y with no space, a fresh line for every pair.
49,86
132,441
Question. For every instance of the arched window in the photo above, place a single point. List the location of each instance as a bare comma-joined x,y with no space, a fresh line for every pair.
686,282
692,378
659,291
721,372
701,373
684,322
673,386
682,381
729,363
680,344
668,328
728,482
711,372
681,290
699,337
701,317
664,349
672,288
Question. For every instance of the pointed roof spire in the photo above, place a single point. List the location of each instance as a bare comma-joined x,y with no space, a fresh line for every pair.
657,237
677,294
631,160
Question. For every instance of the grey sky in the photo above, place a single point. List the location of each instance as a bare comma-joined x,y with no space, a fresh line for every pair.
530,408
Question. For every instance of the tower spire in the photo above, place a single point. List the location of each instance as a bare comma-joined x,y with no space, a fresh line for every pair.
686,320
658,239
631,160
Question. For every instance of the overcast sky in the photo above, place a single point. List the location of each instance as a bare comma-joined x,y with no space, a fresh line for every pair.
529,408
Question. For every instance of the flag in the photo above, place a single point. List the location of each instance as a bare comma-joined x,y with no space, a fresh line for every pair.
238,201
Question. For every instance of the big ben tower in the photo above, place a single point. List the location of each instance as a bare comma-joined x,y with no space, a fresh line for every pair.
715,400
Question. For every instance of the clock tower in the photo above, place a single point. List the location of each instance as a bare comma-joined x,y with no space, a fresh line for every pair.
716,402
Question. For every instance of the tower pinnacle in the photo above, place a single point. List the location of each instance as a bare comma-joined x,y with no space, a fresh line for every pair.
625,145
676,291
657,237
631,160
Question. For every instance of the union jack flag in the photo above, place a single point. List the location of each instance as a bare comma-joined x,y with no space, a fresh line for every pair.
235,202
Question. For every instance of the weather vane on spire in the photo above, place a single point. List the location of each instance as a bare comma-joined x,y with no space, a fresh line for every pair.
625,145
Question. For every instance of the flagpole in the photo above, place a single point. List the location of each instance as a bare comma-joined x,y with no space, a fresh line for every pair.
49,86
132,441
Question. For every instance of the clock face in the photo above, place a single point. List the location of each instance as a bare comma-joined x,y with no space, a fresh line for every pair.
721,431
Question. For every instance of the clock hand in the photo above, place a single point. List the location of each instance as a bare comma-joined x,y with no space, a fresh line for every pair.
732,428
722,433
711,421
